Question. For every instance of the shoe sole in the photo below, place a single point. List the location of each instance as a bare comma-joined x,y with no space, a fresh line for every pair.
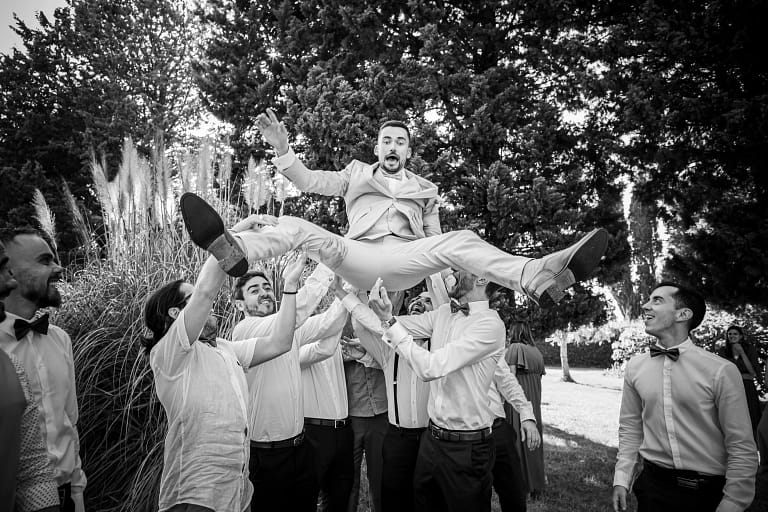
580,266
207,231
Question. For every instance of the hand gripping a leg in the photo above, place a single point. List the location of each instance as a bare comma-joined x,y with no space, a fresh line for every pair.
206,229
546,279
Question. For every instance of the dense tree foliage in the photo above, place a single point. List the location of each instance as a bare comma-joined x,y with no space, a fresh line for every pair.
687,85
531,117
475,81
96,73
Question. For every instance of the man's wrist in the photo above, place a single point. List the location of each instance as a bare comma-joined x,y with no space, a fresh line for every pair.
281,149
388,322
290,289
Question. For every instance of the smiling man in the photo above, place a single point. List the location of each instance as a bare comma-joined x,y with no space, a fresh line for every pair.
46,353
683,410
282,464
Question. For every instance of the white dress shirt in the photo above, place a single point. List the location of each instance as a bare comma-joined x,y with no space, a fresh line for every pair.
324,387
203,391
50,368
408,407
689,414
460,365
274,387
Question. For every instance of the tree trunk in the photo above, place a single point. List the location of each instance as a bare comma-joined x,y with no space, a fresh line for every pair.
564,359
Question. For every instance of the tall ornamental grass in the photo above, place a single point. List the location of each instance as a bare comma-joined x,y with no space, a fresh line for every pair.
122,425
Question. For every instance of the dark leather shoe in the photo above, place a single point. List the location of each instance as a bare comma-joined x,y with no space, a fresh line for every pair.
206,229
546,279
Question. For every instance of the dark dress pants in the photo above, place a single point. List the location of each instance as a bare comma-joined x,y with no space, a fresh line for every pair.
334,466
508,479
661,494
283,479
453,476
399,454
369,435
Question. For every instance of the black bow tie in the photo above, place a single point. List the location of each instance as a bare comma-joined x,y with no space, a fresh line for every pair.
21,327
672,353
456,306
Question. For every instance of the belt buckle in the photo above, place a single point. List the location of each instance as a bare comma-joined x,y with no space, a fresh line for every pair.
297,440
338,423
688,483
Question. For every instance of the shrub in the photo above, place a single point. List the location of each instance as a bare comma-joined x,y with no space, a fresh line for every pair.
588,347
122,425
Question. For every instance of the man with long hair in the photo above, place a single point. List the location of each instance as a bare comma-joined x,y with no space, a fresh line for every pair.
200,382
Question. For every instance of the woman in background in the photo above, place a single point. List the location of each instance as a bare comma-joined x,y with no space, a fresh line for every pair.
744,355
527,363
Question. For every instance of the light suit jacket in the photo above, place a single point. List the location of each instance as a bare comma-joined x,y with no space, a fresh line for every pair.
366,194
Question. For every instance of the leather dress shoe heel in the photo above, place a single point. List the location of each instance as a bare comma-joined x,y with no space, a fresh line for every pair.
545,279
206,229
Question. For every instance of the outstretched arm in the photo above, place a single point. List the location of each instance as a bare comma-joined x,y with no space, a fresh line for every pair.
209,282
280,340
327,183
486,337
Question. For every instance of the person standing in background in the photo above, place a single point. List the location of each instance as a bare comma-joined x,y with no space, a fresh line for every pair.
527,363
367,396
743,354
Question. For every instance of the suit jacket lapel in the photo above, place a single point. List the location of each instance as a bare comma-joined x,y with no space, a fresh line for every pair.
374,177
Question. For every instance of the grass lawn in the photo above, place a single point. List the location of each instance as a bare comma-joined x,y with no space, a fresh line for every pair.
581,421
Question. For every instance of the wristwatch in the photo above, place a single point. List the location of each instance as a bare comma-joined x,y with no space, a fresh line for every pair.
386,324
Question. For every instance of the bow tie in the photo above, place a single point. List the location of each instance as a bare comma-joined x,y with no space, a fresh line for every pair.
456,306
21,327
672,353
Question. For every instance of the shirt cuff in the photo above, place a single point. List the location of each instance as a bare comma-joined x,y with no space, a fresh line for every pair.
285,161
622,478
526,413
349,301
396,334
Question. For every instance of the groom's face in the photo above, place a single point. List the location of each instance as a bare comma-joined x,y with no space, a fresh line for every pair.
393,149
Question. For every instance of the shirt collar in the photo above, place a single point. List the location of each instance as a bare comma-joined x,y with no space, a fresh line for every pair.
6,325
682,347
478,305
401,176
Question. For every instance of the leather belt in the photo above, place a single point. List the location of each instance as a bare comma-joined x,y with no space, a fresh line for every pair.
686,479
285,443
327,423
457,436
407,431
